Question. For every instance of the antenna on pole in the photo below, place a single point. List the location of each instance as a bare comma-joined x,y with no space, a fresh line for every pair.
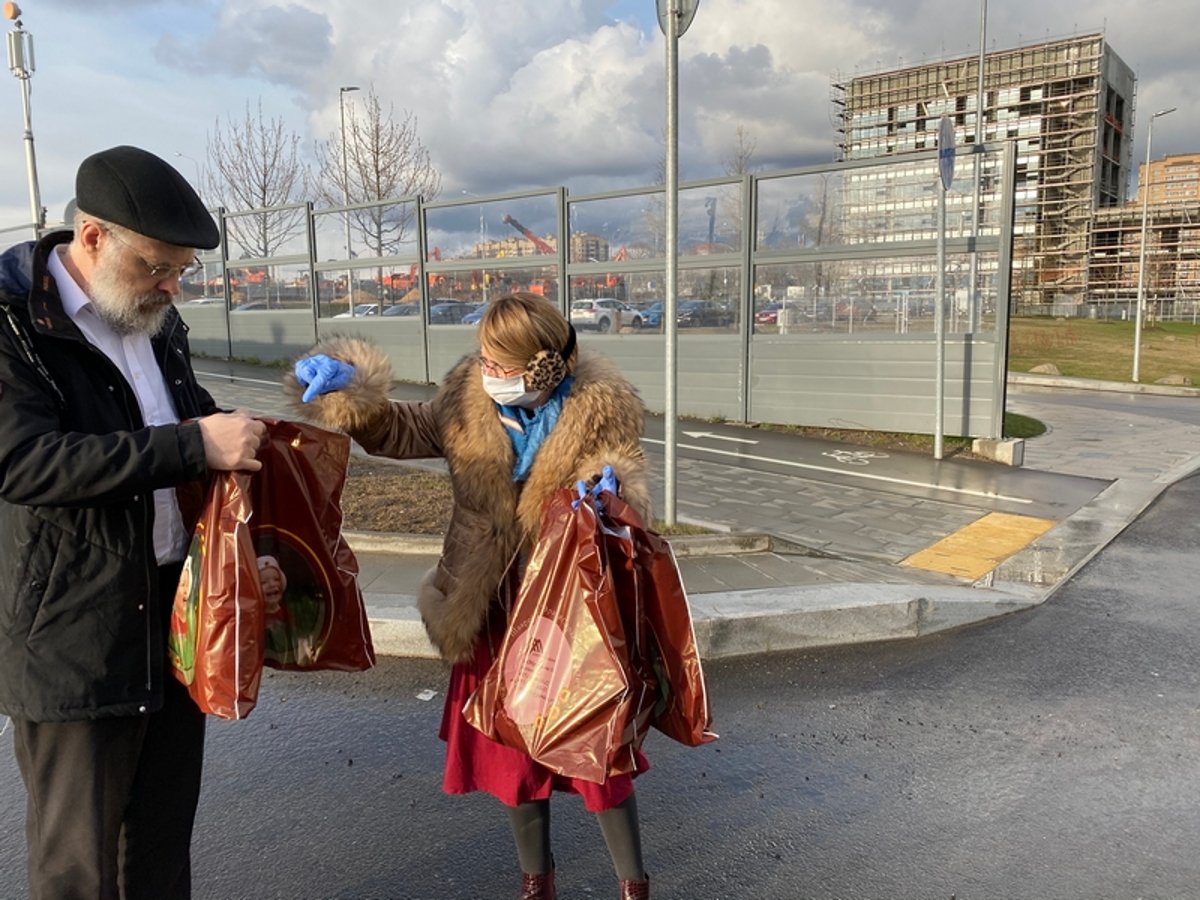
20,63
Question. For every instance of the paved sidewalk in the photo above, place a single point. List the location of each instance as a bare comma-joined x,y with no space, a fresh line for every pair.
804,562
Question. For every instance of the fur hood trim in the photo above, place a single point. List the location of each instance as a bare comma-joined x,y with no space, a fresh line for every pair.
494,518
364,399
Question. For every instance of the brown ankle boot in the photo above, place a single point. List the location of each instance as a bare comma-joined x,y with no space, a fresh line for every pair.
537,887
636,890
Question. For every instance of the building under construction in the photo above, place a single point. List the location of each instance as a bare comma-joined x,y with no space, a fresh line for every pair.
1168,204
1068,105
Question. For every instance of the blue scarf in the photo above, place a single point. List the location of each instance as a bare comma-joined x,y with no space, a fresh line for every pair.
527,428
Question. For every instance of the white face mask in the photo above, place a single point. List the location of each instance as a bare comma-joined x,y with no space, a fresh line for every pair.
510,391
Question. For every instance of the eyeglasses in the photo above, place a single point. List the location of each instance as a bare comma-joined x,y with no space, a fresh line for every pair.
159,271
494,369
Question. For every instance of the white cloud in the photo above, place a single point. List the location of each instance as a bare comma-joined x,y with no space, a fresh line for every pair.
513,93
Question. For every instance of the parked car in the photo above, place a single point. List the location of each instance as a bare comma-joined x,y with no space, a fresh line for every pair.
403,309
702,313
652,315
604,314
360,311
473,317
448,312
252,306
768,315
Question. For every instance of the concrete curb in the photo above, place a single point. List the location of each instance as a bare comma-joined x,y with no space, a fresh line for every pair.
1039,570
687,545
1092,384
742,623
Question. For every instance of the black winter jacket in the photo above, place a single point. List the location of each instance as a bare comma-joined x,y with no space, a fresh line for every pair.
80,634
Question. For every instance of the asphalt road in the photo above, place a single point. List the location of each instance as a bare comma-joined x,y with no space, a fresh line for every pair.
1051,754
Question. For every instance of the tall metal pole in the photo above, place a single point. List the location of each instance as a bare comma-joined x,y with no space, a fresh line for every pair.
670,325
21,64
674,17
1141,290
939,328
195,165
483,287
973,294
946,152
342,91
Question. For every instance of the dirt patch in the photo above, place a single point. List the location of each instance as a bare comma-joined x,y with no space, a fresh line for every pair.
383,496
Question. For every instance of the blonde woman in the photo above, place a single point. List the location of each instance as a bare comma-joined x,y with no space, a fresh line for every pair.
529,414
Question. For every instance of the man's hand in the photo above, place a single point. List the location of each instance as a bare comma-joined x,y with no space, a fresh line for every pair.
231,441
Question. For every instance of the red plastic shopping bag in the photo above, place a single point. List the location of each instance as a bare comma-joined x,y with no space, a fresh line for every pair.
215,643
563,688
269,579
314,616
683,710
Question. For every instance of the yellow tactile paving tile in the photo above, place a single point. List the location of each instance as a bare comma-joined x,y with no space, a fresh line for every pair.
973,551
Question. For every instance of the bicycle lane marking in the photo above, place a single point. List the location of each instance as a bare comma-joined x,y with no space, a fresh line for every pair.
848,473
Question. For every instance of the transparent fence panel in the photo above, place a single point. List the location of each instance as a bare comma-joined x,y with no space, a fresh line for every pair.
366,230
260,287
513,227
876,204
895,295
454,295
710,219
476,228
624,301
634,226
207,285
618,228
258,234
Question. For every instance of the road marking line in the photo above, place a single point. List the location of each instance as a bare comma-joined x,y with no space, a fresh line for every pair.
849,473
976,549
228,376
718,437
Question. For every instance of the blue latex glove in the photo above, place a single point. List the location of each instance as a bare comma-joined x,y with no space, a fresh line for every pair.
322,374
606,482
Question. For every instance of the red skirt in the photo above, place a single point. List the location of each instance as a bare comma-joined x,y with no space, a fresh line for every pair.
477,763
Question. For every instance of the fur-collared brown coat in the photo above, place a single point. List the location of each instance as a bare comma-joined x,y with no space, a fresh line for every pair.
493,517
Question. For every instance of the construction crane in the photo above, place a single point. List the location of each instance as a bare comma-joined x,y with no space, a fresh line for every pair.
542,246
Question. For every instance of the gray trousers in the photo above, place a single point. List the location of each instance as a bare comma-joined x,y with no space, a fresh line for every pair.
111,802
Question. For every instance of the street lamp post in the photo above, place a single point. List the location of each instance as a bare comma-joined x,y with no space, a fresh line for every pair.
195,165
342,91
483,279
1141,291
20,63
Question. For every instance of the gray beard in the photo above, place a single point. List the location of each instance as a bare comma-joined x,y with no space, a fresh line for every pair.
128,315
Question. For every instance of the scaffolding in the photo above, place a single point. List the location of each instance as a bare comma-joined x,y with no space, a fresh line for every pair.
1172,283
1065,103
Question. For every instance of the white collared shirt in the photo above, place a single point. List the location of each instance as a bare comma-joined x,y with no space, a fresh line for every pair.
133,355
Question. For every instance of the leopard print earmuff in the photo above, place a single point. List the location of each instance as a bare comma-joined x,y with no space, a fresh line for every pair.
549,367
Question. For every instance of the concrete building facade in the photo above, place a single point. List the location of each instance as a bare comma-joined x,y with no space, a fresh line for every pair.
1068,106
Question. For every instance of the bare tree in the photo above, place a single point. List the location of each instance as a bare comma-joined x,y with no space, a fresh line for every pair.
253,164
384,160
737,161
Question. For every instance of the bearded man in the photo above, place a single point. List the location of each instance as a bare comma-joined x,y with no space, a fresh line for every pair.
101,418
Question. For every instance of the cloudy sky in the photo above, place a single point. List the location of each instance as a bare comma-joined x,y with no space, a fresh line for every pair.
516,93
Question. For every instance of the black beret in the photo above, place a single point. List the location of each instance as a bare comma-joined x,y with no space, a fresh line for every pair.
136,189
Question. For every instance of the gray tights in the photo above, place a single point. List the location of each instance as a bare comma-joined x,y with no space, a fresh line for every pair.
531,830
